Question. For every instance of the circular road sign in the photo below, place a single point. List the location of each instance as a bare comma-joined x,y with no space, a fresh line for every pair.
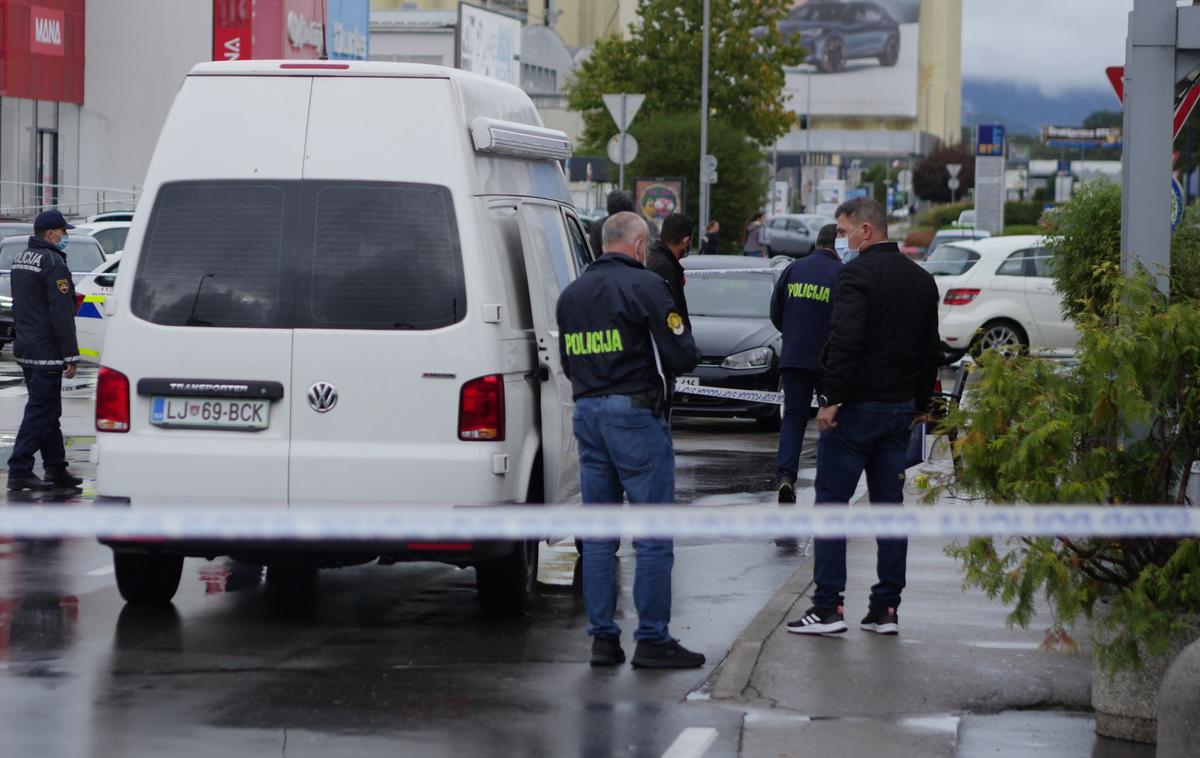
1176,204
614,148
953,183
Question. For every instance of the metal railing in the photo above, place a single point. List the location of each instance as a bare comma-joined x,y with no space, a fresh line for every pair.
24,200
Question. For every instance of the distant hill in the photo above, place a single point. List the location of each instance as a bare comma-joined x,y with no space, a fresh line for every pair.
1024,110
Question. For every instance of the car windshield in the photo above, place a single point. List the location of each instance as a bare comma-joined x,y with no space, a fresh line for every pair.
951,260
83,255
825,12
730,294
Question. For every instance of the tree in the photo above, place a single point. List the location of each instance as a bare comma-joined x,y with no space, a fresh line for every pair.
661,59
669,146
1101,119
930,175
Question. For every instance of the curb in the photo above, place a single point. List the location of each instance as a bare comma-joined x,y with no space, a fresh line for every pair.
738,667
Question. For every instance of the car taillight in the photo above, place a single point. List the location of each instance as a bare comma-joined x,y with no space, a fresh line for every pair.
481,410
960,297
937,387
78,302
112,401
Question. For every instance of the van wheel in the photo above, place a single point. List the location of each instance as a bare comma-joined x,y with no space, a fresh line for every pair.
508,586
147,579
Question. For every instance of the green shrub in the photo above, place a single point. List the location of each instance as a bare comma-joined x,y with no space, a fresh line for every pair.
1022,229
938,216
1022,213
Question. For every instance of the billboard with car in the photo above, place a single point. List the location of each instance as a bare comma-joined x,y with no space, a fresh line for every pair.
862,57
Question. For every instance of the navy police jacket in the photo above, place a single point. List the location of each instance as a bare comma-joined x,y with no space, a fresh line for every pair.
801,306
43,296
606,319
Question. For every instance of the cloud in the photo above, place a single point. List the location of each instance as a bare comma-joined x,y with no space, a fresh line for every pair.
1052,45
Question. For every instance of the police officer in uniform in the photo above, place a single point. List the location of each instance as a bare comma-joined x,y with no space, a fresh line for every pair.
620,335
45,348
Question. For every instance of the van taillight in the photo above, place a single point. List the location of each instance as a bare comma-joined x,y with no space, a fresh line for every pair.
481,410
112,401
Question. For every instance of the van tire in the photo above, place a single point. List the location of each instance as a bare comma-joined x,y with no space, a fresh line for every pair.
508,586
147,578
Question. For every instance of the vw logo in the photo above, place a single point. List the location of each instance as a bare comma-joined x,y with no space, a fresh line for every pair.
322,396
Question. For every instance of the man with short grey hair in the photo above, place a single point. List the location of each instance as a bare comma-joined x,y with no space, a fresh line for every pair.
620,334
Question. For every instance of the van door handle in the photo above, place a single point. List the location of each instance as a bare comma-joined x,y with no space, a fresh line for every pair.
543,373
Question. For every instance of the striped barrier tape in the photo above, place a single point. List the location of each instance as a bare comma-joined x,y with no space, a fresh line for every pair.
750,396
400,523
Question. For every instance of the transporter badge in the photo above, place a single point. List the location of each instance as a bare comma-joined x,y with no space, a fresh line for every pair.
675,323
63,285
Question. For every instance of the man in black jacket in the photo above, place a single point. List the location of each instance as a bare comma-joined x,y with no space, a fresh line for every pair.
880,365
620,332
45,348
664,256
618,202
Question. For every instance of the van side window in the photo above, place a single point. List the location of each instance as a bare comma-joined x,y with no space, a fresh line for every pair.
550,227
579,245
214,256
382,256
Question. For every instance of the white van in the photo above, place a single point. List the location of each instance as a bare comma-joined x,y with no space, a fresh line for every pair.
339,290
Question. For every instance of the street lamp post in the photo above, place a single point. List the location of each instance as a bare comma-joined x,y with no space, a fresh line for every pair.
704,186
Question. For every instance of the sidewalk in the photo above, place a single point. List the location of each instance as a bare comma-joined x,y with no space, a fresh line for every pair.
955,682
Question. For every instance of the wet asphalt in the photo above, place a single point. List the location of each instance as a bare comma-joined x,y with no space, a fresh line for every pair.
371,660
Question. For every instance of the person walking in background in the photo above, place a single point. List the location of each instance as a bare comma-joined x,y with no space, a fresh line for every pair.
712,238
618,323
756,236
665,255
880,364
618,200
800,309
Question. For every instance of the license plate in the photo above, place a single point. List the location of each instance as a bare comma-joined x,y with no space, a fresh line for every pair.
210,413
691,381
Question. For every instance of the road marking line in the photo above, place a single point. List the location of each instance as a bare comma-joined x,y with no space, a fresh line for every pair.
692,742
102,571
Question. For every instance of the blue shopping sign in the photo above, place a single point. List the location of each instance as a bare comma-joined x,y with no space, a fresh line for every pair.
991,140
347,29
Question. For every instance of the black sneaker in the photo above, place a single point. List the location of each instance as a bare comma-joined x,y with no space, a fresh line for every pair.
817,621
787,490
33,482
665,655
62,477
881,621
606,650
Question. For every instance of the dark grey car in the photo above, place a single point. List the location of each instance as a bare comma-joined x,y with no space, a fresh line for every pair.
83,256
837,32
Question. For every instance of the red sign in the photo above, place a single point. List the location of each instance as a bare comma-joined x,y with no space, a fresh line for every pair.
46,31
41,50
278,28
1184,105
233,33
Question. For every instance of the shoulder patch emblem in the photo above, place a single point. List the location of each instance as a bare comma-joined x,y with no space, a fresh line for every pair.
64,285
675,323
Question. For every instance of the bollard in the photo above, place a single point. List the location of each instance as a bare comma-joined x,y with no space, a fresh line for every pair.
1179,706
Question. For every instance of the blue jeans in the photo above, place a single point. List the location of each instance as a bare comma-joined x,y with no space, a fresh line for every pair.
798,387
626,450
40,429
869,436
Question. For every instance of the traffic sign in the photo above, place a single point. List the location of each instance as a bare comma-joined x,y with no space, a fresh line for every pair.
616,155
953,169
708,164
953,183
1184,104
623,107
709,177
1176,204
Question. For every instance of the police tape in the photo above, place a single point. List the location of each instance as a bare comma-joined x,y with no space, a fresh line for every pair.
749,396
703,272
402,523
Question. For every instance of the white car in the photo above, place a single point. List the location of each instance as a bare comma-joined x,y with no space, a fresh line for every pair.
91,292
998,293
110,234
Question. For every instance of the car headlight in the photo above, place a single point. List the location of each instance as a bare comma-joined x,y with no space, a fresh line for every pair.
759,357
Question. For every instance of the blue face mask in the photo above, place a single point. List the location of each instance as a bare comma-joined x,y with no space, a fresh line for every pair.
62,243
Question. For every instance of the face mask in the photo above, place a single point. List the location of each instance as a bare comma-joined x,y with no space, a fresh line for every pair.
841,246
62,243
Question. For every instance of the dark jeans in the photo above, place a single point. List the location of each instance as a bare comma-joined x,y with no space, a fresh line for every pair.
798,387
873,437
40,428
626,450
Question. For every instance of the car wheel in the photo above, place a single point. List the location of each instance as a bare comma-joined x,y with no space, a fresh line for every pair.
891,52
147,579
833,56
508,586
1003,335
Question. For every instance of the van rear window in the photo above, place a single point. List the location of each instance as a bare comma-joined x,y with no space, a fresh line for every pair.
302,254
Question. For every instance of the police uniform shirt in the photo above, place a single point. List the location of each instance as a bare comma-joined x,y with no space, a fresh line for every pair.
607,319
801,307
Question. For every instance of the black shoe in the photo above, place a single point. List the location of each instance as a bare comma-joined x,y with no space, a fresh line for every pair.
881,621
818,621
665,655
606,650
787,490
62,477
33,482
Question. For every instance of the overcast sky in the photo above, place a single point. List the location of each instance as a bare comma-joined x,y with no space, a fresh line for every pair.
1054,45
